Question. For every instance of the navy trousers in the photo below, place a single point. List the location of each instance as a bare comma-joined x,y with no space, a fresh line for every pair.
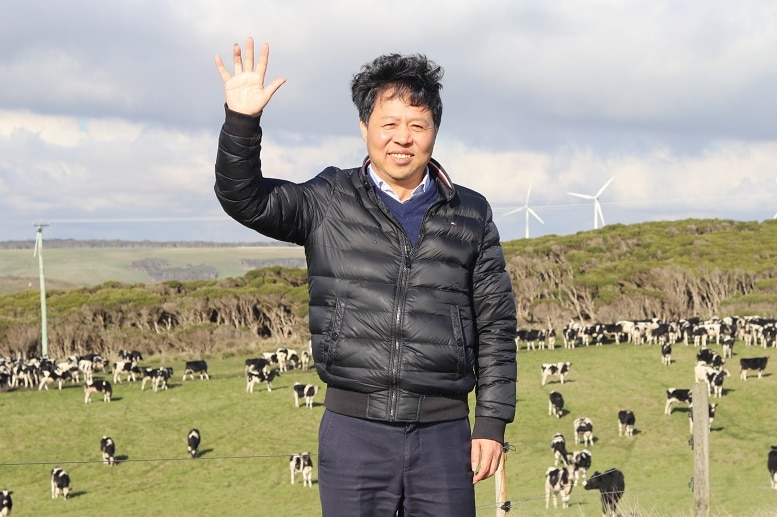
368,468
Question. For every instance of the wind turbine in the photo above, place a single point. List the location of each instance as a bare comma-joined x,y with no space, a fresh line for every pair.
43,325
528,211
597,207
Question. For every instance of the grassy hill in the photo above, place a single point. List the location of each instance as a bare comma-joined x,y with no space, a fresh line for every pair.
86,266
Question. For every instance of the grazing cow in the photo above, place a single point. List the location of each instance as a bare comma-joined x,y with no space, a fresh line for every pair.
666,354
727,343
558,482
752,363
108,449
198,367
257,364
530,337
555,404
710,358
60,482
716,383
131,356
302,464
581,461
157,376
98,386
128,368
584,430
254,377
771,464
304,391
6,503
559,447
193,441
611,486
711,414
626,421
305,360
676,395
704,373
559,369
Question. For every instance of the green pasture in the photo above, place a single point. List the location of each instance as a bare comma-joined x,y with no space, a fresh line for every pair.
70,267
247,439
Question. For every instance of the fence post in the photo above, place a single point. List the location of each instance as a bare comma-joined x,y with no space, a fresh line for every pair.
701,450
502,506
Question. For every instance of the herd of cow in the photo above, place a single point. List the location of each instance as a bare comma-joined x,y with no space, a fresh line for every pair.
39,373
709,369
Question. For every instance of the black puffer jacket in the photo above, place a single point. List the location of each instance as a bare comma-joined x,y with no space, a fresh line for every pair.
399,333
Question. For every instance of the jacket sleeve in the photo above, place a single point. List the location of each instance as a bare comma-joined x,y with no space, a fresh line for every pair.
495,314
277,208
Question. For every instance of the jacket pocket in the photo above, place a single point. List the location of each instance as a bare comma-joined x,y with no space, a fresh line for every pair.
461,342
333,334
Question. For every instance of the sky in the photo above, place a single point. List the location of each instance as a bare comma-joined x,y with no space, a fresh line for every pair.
110,111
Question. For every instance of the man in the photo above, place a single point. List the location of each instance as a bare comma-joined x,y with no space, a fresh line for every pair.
410,305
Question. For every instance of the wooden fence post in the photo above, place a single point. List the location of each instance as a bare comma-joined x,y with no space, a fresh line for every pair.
502,506
701,450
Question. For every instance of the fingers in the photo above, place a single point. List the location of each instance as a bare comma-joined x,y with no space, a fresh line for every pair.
223,72
238,60
248,65
486,456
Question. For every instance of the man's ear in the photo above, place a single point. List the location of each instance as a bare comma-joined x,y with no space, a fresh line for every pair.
363,129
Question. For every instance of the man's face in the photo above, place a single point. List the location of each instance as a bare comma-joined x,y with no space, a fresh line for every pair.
400,140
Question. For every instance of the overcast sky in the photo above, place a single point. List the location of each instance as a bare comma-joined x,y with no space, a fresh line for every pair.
110,110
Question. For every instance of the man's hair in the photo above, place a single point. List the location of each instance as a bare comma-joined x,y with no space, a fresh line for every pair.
413,77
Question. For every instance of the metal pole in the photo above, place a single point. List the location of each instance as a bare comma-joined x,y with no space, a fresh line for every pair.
44,340
701,450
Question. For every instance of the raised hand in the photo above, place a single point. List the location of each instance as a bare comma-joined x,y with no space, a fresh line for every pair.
245,91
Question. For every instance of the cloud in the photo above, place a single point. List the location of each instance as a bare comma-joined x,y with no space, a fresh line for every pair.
111,110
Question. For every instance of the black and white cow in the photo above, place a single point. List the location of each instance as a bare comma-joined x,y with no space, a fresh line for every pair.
727,343
626,421
6,503
532,338
716,383
60,482
198,367
253,378
710,358
98,386
676,396
131,356
611,485
558,482
555,404
771,464
257,364
666,354
305,360
108,450
581,461
752,363
302,464
711,414
193,442
306,392
157,376
559,369
129,369
558,445
584,431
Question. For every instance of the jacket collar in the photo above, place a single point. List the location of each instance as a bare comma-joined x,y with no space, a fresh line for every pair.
436,172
